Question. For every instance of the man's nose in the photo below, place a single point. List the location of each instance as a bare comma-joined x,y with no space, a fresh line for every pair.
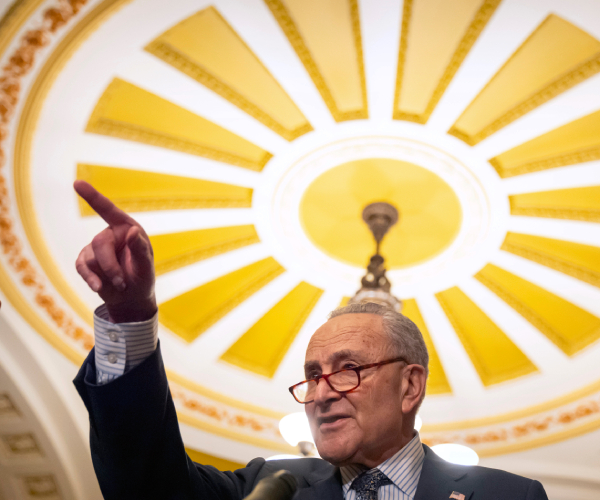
324,394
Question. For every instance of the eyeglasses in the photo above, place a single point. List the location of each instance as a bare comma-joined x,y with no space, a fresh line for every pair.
342,381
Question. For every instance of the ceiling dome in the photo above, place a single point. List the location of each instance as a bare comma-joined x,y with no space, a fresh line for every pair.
247,137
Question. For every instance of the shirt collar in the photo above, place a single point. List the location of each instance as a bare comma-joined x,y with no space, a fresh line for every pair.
403,469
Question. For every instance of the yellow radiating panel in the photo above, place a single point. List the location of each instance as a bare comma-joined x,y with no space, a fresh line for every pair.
139,191
437,383
436,36
575,142
557,56
568,326
205,459
206,48
574,203
191,313
495,357
129,112
326,36
175,250
577,260
263,346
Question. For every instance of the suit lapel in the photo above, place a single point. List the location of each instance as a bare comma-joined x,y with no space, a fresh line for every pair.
439,479
322,487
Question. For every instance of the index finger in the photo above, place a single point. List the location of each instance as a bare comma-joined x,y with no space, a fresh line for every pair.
105,208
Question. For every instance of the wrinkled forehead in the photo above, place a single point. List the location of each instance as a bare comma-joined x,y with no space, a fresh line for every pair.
361,333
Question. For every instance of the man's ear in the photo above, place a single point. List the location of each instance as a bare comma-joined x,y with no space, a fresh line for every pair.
413,385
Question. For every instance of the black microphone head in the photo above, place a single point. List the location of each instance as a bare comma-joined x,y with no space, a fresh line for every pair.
287,478
279,486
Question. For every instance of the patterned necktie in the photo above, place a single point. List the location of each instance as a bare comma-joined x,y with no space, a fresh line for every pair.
367,484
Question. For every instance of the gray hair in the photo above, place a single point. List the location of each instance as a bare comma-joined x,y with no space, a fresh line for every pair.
404,335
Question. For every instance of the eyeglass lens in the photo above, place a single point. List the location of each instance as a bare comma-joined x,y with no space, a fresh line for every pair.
340,381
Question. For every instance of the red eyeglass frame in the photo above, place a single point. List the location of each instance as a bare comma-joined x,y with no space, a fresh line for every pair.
357,370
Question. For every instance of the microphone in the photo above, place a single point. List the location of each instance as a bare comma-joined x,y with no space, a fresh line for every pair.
279,486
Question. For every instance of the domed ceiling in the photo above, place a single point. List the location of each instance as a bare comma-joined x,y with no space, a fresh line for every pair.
247,136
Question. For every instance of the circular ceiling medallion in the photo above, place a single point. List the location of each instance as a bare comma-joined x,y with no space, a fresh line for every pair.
311,202
430,213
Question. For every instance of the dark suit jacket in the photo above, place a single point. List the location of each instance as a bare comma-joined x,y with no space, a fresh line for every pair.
138,453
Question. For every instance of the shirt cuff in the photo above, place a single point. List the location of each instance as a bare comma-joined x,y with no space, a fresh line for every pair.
121,346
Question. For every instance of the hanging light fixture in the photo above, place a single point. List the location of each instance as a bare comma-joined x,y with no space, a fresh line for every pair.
375,286
295,430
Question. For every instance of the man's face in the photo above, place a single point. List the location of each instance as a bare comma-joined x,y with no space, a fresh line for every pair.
363,426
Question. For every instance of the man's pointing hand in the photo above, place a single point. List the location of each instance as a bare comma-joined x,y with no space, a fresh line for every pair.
118,264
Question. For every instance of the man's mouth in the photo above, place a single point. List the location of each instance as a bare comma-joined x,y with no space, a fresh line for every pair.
331,422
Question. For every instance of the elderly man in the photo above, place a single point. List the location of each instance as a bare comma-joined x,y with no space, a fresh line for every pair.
366,370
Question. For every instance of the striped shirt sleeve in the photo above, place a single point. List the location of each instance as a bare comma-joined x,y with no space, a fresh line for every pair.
121,346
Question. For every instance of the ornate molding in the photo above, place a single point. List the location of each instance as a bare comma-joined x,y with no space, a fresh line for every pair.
571,158
556,87
584,214
178,60
564,266
225,307
480,20
136,133
188,258
523,433
19,65
288,26
526,312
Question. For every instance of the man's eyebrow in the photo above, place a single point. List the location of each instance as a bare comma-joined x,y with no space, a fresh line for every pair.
335,357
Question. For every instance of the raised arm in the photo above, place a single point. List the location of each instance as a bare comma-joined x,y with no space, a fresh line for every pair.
136,445
118,264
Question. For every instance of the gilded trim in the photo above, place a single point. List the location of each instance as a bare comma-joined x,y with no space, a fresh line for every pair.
480,20
204,253
564,266
571,158
584,214
541,441
554,404
226,307
24,138
217,396
128,131
518,436
14,18
290,30
487,379
26,209
562,83
235,435
404,27
180,61
535,319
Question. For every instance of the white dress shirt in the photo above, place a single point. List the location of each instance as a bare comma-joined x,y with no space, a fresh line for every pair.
403,469
121,346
